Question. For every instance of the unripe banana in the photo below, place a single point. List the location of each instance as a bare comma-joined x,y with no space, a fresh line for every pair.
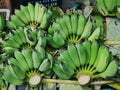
87,30
81,25
10,25
17,21
21,16
72,50
103,57
31,10
95,35
74,23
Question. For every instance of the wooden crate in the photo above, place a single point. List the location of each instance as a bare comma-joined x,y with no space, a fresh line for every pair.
5,4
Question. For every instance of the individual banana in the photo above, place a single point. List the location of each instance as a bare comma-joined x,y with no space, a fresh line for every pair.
62,25
103,57
94,52
87,46
17,21
42,11
74,23
21,34
37,8
81,25
57,37
31,10
26,12
20,58
36,60
67,21
110,70
87,30
28,57
82,54
59,72
13,61
30,37
95,35
64,55
74,55
10,25
45,65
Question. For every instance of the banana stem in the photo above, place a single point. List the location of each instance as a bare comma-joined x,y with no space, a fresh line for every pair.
84,79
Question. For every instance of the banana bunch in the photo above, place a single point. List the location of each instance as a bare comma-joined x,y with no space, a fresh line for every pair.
28,66
71,29
107,7
2,23
33,16
85,62
23,38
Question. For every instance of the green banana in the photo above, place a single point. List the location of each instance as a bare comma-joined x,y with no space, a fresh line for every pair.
62,25
103,57
17,21
66,70
7,75
17,72
42,41
101,7
21,34
45,65
31,10
51,42
13,61
37,8
26,12
82,54
87,30
28,57
95,35
67,21
110,5
87,46
57,37
74,55
60,72
64,55
21,16
10,25
110,71
31,37
36,60
41,14
9,50
81,25
74,23
20,58
94,52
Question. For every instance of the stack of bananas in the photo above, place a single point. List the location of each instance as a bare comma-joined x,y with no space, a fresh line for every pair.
34,17
85,62
107,7
28,66
23,38
71,29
